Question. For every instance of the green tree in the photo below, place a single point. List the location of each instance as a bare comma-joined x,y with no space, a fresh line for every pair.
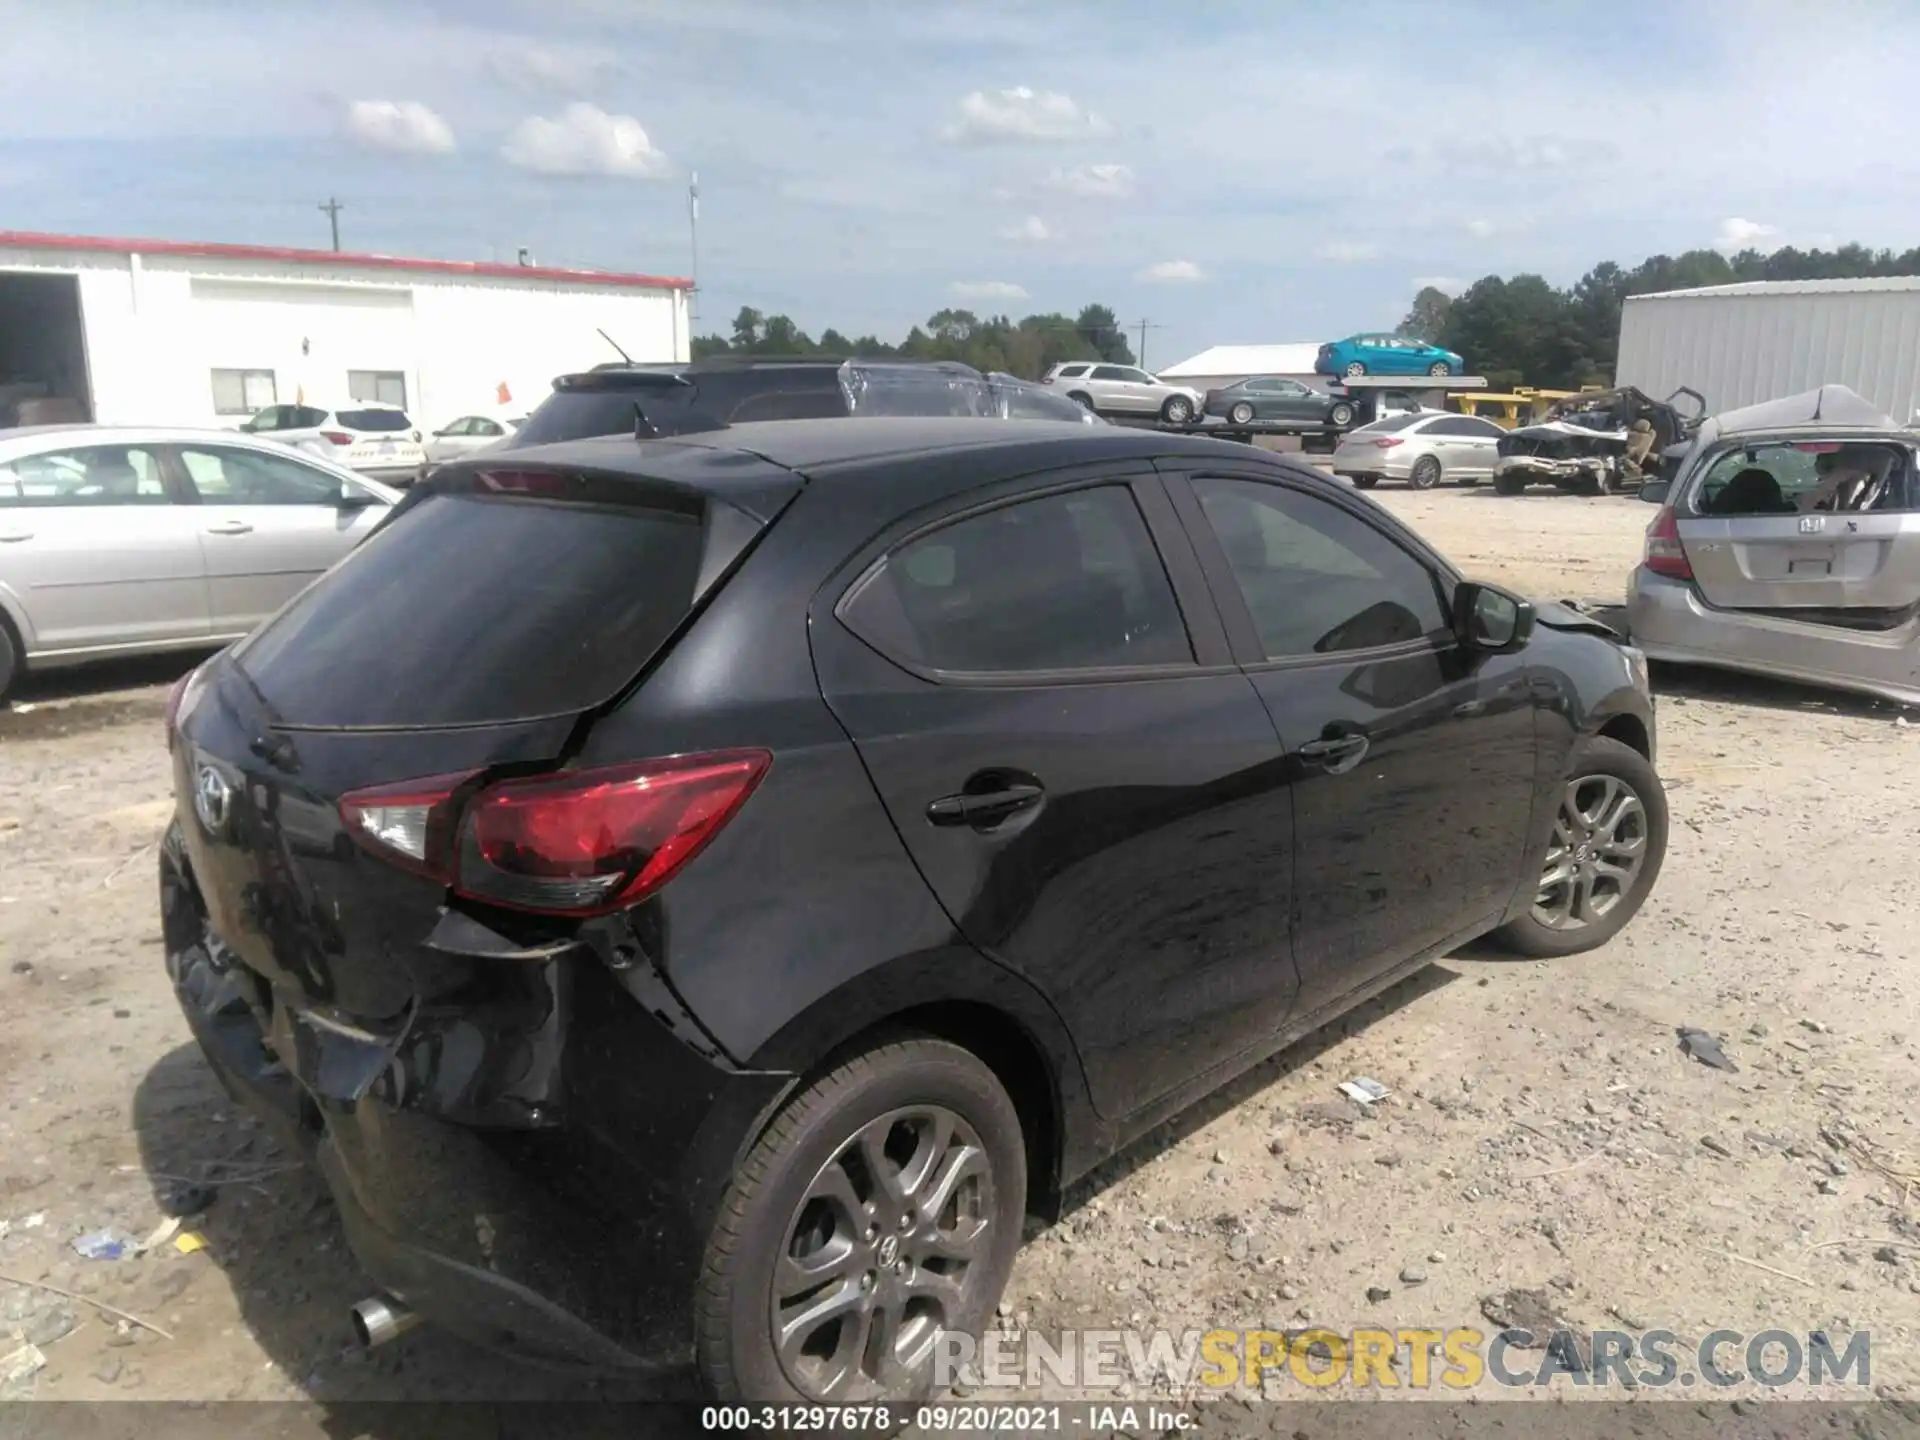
746,328
1102,331
1427,320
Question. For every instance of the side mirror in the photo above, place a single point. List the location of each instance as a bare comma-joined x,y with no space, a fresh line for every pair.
1654,492
1490,620
352,497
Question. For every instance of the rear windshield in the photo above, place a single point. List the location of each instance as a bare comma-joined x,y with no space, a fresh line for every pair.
467,610
375,420
807,393
1391,424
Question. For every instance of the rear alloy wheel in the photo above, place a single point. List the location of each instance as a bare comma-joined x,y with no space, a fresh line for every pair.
882,1206
1425,473
1241,414
1439,367
1177,411
1355,369
1340,416
1609,840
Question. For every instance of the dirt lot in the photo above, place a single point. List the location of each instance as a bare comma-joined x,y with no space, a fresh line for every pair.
1544,1130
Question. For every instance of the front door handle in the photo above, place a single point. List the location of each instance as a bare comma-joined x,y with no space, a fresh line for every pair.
14,537
1336,755
985,810
230,527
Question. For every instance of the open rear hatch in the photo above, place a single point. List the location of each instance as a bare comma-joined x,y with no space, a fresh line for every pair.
328,767
1851,557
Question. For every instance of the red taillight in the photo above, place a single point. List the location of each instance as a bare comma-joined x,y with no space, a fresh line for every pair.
572,844
1387,442
1665,554
525,482
337,437
409,824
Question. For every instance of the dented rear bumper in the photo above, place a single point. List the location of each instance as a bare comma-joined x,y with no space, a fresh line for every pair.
536,1172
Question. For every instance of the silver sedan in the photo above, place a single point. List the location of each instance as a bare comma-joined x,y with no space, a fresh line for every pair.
1422,448
123,541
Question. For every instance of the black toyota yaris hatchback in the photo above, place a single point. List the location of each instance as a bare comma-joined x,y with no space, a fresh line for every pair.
691,898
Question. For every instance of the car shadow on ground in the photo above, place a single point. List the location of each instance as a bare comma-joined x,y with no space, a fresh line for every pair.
96,680
1237,1092
276,1239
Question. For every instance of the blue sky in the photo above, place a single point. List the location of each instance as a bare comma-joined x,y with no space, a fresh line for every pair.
1235,172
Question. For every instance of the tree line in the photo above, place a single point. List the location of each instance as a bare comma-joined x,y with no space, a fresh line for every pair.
1524,331
1027,348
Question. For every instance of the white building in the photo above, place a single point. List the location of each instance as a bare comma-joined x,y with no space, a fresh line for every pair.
1741,344
1229,364
164,332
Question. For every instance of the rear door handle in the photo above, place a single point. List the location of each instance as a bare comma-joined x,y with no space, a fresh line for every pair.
1336,756
985,810
230,527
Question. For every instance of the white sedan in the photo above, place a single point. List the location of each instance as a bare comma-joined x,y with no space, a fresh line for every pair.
117,540
468,434
1422,448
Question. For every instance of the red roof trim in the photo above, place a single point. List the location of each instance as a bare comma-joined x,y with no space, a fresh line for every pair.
206,250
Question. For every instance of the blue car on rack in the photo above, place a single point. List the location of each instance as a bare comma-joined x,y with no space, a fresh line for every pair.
1385,355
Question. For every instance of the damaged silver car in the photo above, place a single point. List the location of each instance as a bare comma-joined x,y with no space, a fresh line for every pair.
1600,442
1789,546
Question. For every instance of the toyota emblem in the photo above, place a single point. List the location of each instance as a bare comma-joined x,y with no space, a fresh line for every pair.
212,799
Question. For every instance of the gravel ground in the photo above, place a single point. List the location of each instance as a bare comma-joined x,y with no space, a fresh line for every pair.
1544,1131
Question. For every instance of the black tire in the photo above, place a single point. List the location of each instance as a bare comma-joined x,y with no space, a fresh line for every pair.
1355,369
767,1199
1241,413
1178,410
1425,474
1080,397
1599,760
1508,484
1365,482
9,659
1439,367
1340,416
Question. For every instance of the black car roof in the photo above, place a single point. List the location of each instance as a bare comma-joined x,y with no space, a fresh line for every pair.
816,446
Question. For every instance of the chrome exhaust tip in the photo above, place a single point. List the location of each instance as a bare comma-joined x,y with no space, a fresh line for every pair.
379,1319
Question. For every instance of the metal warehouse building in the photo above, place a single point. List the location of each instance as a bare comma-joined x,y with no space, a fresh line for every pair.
164,332
1741,344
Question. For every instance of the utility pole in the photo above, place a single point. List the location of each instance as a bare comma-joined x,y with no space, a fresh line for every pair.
693,235
1143,326
332,211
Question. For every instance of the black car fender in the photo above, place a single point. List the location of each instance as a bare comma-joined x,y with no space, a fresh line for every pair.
958,994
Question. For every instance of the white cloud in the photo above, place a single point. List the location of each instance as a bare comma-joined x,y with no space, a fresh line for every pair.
585,140
405,127
1348,252
1171,272
1445,284
1481,229
535,70
987,290
1737,234
1031,231
1023,116
1093,182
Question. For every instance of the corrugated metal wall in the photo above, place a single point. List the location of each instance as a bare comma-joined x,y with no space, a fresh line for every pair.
1742,349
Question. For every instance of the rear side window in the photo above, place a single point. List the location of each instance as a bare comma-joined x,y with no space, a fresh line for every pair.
375,421
467,610
1061,582
96,475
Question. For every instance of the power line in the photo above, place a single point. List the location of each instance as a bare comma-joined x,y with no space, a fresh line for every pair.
332,211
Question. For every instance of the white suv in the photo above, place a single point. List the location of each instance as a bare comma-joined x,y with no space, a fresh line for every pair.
376,440
1123,390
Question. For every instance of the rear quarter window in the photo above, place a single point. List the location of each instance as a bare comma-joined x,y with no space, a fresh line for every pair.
467,610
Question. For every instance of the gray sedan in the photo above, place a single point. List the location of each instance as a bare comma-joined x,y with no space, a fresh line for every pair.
1789,545
1422,449
121,541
